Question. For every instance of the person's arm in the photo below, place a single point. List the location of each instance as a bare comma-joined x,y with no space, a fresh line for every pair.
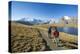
58,33
52,34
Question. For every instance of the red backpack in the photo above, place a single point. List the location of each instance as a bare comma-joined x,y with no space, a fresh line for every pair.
56,34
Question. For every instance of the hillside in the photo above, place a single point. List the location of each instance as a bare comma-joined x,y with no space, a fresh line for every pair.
57,25
25,39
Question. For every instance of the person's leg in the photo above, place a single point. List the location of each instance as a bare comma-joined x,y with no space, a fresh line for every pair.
49,35
57,41
54,40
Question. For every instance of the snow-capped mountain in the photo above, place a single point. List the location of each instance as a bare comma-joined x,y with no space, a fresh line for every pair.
33,21
69,20
26,19
66,17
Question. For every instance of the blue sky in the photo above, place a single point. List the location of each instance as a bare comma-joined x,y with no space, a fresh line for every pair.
41,10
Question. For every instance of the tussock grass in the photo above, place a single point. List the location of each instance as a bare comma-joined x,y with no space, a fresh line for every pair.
26,39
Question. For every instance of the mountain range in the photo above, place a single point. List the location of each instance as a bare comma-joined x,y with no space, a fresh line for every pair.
33,21
36,21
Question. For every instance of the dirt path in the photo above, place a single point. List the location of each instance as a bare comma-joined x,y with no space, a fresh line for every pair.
51,44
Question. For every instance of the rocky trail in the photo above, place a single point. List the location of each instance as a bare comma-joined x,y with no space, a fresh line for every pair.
50,43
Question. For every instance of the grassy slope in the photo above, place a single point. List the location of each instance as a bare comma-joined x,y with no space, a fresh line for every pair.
68,40
57,25
25,39
20,31
63,36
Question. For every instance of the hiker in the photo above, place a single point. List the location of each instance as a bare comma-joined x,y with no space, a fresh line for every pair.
55,35
49,32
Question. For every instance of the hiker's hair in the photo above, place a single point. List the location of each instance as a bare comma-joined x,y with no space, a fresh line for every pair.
50,26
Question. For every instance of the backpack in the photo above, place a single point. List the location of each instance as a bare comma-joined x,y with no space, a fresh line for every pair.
56,34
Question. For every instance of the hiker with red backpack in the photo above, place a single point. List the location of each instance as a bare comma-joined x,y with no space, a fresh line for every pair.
55,35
